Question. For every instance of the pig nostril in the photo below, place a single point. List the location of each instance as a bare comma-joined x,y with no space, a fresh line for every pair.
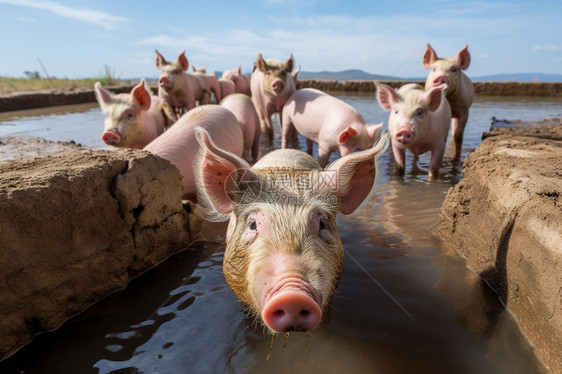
304,313
278,313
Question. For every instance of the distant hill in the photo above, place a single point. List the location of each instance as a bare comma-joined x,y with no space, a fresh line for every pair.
360,75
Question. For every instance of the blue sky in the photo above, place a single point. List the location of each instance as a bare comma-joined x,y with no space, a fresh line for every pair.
76,39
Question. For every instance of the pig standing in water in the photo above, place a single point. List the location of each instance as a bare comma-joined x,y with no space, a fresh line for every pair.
243,109
179,90
241,81
179,145
283,256
419,120
460,91
272,83
331,123
209,83
131,120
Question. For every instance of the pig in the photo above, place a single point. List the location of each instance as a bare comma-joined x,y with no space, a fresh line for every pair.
331,123
241,81
132,120
179,145
209,83
179,90
460,91
271,84
227,87
243,109
419,121
283,255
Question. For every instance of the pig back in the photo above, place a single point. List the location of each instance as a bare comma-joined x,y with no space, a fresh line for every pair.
179,145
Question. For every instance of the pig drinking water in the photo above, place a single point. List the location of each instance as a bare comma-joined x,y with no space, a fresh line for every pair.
209,84
131,120
243,109
331,123
179,145
460,91
179,90
271,84
241,81
419,121
283,256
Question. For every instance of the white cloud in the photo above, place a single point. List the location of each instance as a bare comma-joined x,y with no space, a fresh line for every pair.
105,20
548,48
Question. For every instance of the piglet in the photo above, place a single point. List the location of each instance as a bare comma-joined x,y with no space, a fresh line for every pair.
271,84
131,120
179,145
460,91
419,121
243,109
241,81
331,123
283,256
179,90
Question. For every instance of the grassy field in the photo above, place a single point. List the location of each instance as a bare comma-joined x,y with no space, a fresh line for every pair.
9,85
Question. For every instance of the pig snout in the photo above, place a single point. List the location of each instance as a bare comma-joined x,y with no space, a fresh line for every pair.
277,85
404,135
291,307
110,137
165,82
440,80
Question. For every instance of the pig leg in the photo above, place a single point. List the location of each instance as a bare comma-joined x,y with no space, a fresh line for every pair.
309,145
458,124
287,133
256,147
323,155
399,157
435,162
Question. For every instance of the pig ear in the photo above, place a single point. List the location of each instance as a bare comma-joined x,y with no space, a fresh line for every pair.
386,94
260,63
433,97
102,95
140,96
372,130
289,64
193,68
354,176
183,61
347,134
296,72
218,177
429,57
239,69
160,60
463,58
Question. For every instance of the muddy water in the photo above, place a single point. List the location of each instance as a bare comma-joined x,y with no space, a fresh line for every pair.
404,304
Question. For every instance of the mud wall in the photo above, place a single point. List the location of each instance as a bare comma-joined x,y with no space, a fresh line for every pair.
77,225
505,218
29,100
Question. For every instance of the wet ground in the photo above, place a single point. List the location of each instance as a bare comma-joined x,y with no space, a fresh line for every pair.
404,304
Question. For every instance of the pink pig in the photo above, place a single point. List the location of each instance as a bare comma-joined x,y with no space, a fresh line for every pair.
179,90
227,87
243,109
179,146
419,121
283,255
460,91
132,120
272,83
331,123
241,81
209,83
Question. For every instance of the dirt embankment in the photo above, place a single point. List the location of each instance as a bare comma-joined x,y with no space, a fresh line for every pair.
29,100
78,225
505,218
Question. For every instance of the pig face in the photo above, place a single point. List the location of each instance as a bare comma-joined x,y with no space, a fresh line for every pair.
445,70
124,115
171,78
284,256
409,111
276,75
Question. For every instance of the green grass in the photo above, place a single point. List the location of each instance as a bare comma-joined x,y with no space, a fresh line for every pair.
9,85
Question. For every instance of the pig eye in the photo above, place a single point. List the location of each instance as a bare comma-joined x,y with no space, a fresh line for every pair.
454,69
395,111
253,225
419,113
322,224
